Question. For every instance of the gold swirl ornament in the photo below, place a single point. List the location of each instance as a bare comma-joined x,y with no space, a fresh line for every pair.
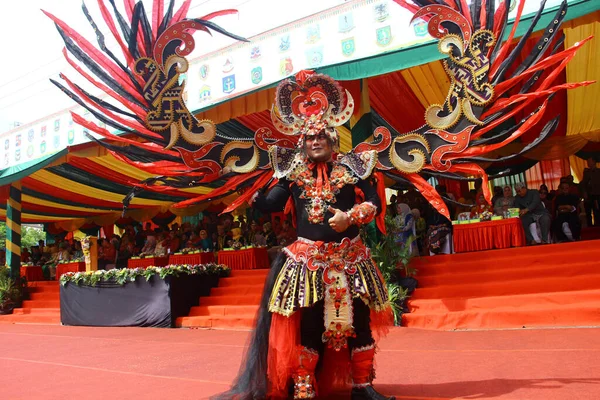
178,130
418,156
232,161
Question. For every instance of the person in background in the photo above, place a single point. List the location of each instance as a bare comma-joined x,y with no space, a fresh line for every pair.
222,238
205,243
174,242
237,238
544,197
77,251
566,222
420,228
287,234
532,211
270,237
25,255
481,206
405,223
150,246
161,245
590,189
505,202
498,193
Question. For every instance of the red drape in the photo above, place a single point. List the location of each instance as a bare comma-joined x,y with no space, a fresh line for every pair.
548,173
392,98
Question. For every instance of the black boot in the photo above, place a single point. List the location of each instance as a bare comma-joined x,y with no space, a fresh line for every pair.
368,393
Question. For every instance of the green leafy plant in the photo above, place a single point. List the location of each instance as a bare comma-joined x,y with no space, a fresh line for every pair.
393,261
12,291
123,275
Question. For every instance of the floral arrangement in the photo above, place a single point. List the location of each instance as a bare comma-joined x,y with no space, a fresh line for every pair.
486,216
124,275
73,260
189,250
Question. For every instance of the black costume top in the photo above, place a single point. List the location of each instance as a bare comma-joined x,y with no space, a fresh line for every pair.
344,199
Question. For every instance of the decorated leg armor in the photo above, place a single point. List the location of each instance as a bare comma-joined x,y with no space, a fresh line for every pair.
363,374
304,375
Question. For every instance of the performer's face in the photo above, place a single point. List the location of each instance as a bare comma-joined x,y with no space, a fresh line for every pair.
318,147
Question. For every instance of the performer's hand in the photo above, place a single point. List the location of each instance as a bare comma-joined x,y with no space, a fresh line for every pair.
340,220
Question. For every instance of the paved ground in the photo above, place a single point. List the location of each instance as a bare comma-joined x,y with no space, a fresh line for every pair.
55,362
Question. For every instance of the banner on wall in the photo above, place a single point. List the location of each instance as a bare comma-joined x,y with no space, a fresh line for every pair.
349,32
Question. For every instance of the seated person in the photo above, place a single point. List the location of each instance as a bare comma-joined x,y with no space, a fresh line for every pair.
270,236
150,246
108,256
237,239
566,205
481,206
61,254
505,202
532,211
222,238
545,198
174,242
161,245
287,234
204,243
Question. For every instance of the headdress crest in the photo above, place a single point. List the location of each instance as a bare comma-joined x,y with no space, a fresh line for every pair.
310,104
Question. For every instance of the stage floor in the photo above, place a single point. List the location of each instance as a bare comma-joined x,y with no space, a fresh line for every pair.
56,362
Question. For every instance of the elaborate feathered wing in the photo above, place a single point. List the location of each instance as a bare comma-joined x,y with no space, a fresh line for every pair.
488,87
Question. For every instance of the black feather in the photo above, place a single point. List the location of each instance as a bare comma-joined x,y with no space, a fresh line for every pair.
517,50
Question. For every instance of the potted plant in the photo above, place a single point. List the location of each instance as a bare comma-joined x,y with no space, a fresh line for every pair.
394,263
11,291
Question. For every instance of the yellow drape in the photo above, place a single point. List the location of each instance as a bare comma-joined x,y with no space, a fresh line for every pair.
429,82
248,104
583,103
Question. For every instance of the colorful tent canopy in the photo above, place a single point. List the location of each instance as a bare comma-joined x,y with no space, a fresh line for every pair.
86,184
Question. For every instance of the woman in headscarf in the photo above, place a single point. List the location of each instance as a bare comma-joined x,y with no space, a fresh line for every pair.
205,243
405,223
481,206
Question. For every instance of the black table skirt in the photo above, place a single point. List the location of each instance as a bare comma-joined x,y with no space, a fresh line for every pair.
153,303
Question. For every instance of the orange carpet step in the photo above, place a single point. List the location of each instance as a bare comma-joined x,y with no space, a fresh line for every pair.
533,270
40,311
586,314
504,259
245,281
230,300
215,322
510,286
239,273
522,301
224,310
41,303
239,290
31,319
44,295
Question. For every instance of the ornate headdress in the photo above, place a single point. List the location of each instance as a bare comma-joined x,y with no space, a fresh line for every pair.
311,104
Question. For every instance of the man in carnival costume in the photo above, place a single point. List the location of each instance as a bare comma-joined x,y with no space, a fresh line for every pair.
324,295
324,298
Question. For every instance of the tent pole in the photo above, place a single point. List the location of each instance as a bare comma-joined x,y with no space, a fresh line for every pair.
13,230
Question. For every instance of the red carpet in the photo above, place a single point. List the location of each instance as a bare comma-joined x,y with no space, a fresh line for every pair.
541,286
232,305
50,362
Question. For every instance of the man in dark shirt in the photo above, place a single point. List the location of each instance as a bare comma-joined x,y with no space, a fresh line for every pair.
590,188
566,213
532,211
